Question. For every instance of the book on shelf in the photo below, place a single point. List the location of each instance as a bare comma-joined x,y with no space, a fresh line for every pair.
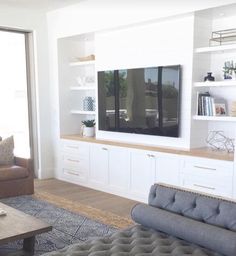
207,105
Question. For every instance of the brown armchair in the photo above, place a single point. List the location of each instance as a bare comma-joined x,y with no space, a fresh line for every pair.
17,179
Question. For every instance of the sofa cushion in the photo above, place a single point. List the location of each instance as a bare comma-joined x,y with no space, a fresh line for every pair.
212,237
199,207
135,241
6,151
12,173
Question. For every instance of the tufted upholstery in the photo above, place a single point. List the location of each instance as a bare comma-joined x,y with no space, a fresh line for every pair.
193,205
175,223
135,241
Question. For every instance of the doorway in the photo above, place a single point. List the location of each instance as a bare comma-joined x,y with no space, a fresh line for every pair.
15,91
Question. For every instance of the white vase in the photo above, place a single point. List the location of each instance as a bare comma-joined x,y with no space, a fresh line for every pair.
88,131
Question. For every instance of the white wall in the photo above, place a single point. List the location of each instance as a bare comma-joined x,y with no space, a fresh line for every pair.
154,44
94,16
36,22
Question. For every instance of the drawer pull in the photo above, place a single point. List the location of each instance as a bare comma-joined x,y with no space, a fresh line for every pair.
74,147
201,186
104,149
205,168
72,160
72,173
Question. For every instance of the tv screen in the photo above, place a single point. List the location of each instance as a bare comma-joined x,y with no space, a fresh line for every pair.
140,100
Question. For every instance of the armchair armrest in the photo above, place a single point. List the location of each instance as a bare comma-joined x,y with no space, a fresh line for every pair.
26,163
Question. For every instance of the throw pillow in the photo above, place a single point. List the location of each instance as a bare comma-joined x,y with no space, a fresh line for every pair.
6,151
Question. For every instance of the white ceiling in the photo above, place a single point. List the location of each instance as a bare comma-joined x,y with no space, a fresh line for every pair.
43,5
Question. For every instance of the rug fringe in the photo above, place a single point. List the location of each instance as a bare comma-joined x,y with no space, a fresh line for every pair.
88,211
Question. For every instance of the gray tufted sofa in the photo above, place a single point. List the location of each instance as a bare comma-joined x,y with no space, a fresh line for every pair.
175,222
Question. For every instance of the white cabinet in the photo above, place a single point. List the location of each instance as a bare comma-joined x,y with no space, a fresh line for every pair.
74,161
99,165
131,172
167,169
119,168
210,176
142,174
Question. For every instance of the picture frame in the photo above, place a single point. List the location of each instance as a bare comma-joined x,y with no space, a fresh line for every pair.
220,107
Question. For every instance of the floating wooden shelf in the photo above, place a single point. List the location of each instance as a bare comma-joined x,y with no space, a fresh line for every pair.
215,118
82,112
82,63
219,48
222,83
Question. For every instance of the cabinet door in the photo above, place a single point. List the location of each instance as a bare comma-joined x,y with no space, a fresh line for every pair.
119,168
99,156
167,169
142,174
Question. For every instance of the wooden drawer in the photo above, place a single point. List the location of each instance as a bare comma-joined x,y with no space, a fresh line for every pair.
214,168
217,186
75,148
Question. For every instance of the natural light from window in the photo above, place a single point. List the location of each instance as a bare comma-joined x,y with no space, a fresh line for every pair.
13,91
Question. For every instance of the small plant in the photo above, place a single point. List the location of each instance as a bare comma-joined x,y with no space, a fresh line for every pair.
89,123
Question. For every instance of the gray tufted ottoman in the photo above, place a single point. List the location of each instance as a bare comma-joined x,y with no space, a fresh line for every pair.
176,222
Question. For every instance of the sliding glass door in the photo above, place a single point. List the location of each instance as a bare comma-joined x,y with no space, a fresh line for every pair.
14,91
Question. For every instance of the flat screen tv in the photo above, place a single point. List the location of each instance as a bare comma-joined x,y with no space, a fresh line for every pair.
140,100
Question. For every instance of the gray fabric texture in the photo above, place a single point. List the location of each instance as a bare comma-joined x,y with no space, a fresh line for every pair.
135,241
209,236
193,205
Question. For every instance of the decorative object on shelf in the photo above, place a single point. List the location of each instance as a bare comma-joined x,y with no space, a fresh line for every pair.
87,58
218,141
81,81
88,128
89,79
233,109
88,103
219,106
209,77
227,36
229,70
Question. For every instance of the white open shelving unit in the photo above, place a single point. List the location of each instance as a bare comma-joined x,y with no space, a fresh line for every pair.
76,81
82,63
215,49
82,88
83,112
215,118
223,83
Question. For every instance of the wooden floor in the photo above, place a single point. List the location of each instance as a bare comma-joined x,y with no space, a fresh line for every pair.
100,200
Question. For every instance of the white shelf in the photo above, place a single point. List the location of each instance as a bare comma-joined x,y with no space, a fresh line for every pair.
219,48
215,83
215,118
82,88
82,63
82,112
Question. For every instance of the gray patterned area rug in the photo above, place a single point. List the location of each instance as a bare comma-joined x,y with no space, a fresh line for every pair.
68,227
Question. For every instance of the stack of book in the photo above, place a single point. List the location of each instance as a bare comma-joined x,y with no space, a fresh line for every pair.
233,109
210,106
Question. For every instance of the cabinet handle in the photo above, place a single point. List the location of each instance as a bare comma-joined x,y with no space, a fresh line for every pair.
72,173
201,186
72,160
74,147
149,155
205,168
104,149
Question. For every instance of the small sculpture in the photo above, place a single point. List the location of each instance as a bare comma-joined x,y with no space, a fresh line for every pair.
218,141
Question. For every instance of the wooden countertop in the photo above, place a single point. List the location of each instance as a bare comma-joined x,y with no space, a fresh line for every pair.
198,152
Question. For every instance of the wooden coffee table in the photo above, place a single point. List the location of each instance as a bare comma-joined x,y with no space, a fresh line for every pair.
17,225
